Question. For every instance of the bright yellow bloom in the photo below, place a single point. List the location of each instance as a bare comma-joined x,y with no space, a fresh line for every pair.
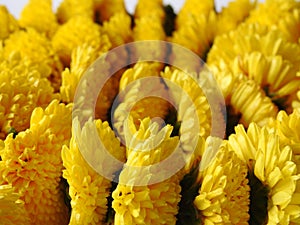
287,127
277,13
233,15
12,209
193,8
224,193
193,111
8,23
88,189
105,9
39,15
118,29
278,76
72,8
38,49
251,104
272,174
75,32
154,8
149,28
259,54
191,89
197,34
137,100
32,163
156,203
21,90
82,57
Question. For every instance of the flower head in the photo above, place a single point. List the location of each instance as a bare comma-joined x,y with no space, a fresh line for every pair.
224,191
37,48
118,29
193,8
139,101
287,128
39,9
22,89
272,174
234,14
153,9
254,55
149,28
32,164
278,13
261,55
82,57
75,32
72,8
89,190
155,203
251,104
197,33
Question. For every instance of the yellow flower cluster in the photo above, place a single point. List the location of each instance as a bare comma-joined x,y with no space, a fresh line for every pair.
150,154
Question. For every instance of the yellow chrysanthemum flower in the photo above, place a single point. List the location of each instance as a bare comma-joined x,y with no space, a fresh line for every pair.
72,8
105,9
156,203
118,29
137,100
287,127
272,174
46,22
277,13
8,23
21,90
278,76
234,14
197,34
253,52
32,163
224,193
153,9
12,209
185,115
38,49
75,32
149,28
82,57
251,104
88,189
254,55
193,8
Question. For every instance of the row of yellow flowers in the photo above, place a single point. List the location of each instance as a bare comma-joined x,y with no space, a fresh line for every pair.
253,52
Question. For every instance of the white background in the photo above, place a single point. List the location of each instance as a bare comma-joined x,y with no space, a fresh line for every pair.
15,6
